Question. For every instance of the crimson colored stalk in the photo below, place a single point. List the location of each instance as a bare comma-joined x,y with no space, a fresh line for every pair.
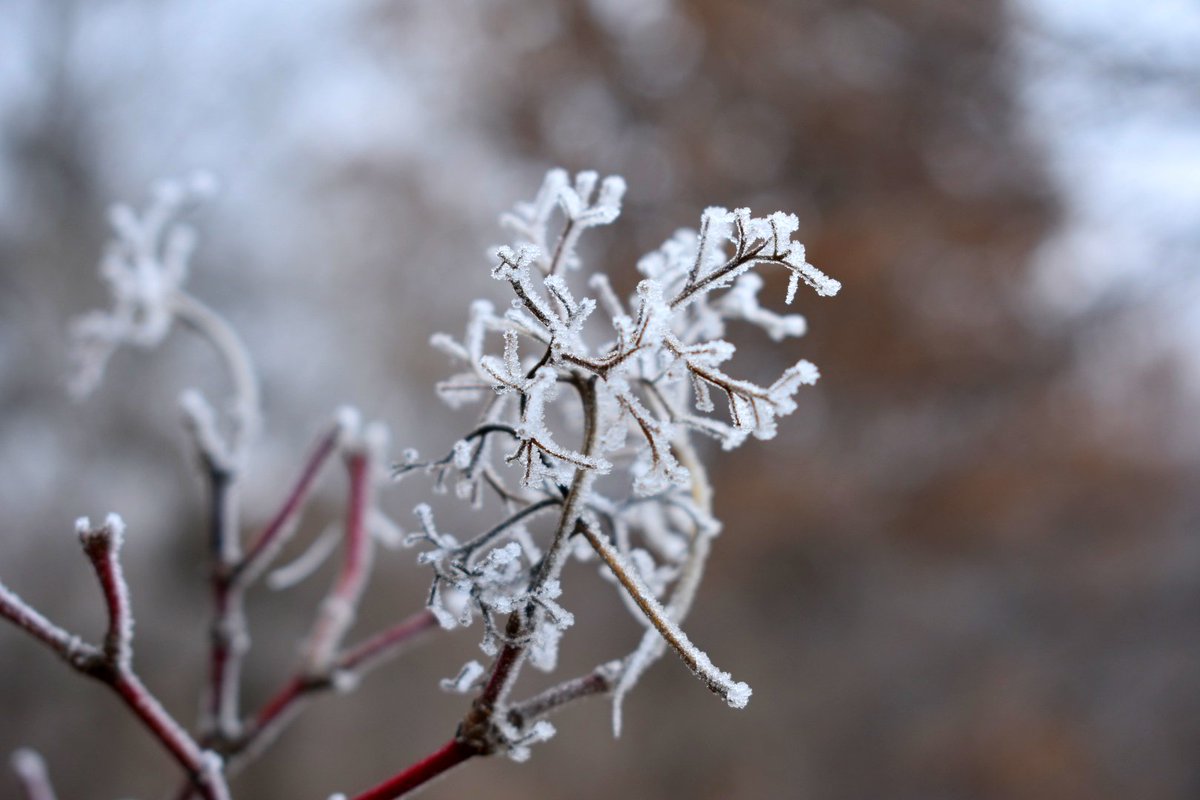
450,755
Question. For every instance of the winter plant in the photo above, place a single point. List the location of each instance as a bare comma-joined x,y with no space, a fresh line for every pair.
586,406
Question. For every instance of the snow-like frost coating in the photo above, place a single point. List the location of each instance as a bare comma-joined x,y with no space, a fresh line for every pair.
631,389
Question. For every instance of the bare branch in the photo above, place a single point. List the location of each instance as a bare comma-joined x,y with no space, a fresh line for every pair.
102,545
735,693
31,772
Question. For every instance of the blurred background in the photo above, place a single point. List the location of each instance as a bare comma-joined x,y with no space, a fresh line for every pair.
968,567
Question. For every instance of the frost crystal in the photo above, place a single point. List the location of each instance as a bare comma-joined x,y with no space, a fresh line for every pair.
464,682
631,390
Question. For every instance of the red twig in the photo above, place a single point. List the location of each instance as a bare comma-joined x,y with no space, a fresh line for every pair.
67,646
340,605
112,666
387,643
275,533
448,756
354,663
102,545
233,573
204,774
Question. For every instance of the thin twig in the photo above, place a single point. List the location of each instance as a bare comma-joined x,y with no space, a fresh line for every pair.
69,647
31,772
275,534
445,758
112,665
338,610
350,668
597,682
735,693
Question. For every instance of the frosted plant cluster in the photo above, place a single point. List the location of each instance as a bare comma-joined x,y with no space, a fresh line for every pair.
629,379
586,402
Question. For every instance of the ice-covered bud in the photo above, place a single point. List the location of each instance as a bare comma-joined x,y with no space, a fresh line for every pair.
464,682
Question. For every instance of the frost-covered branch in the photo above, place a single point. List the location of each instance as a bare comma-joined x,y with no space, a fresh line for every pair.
636,383
582,441
364,465
735,693
112,664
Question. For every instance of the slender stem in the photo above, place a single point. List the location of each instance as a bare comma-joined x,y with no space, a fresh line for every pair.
599,681
271,716
561,249
387,643
479,726
340,605
228,638
31,772
229,644
653,646
101,544
275,534
478,734
484,538
725,272
522,623
205,776
112,665
448,756
229,346
67,646
354,663
720,683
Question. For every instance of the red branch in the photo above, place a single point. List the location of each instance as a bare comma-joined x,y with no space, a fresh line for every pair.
448,756
340,605
275,533
230,580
